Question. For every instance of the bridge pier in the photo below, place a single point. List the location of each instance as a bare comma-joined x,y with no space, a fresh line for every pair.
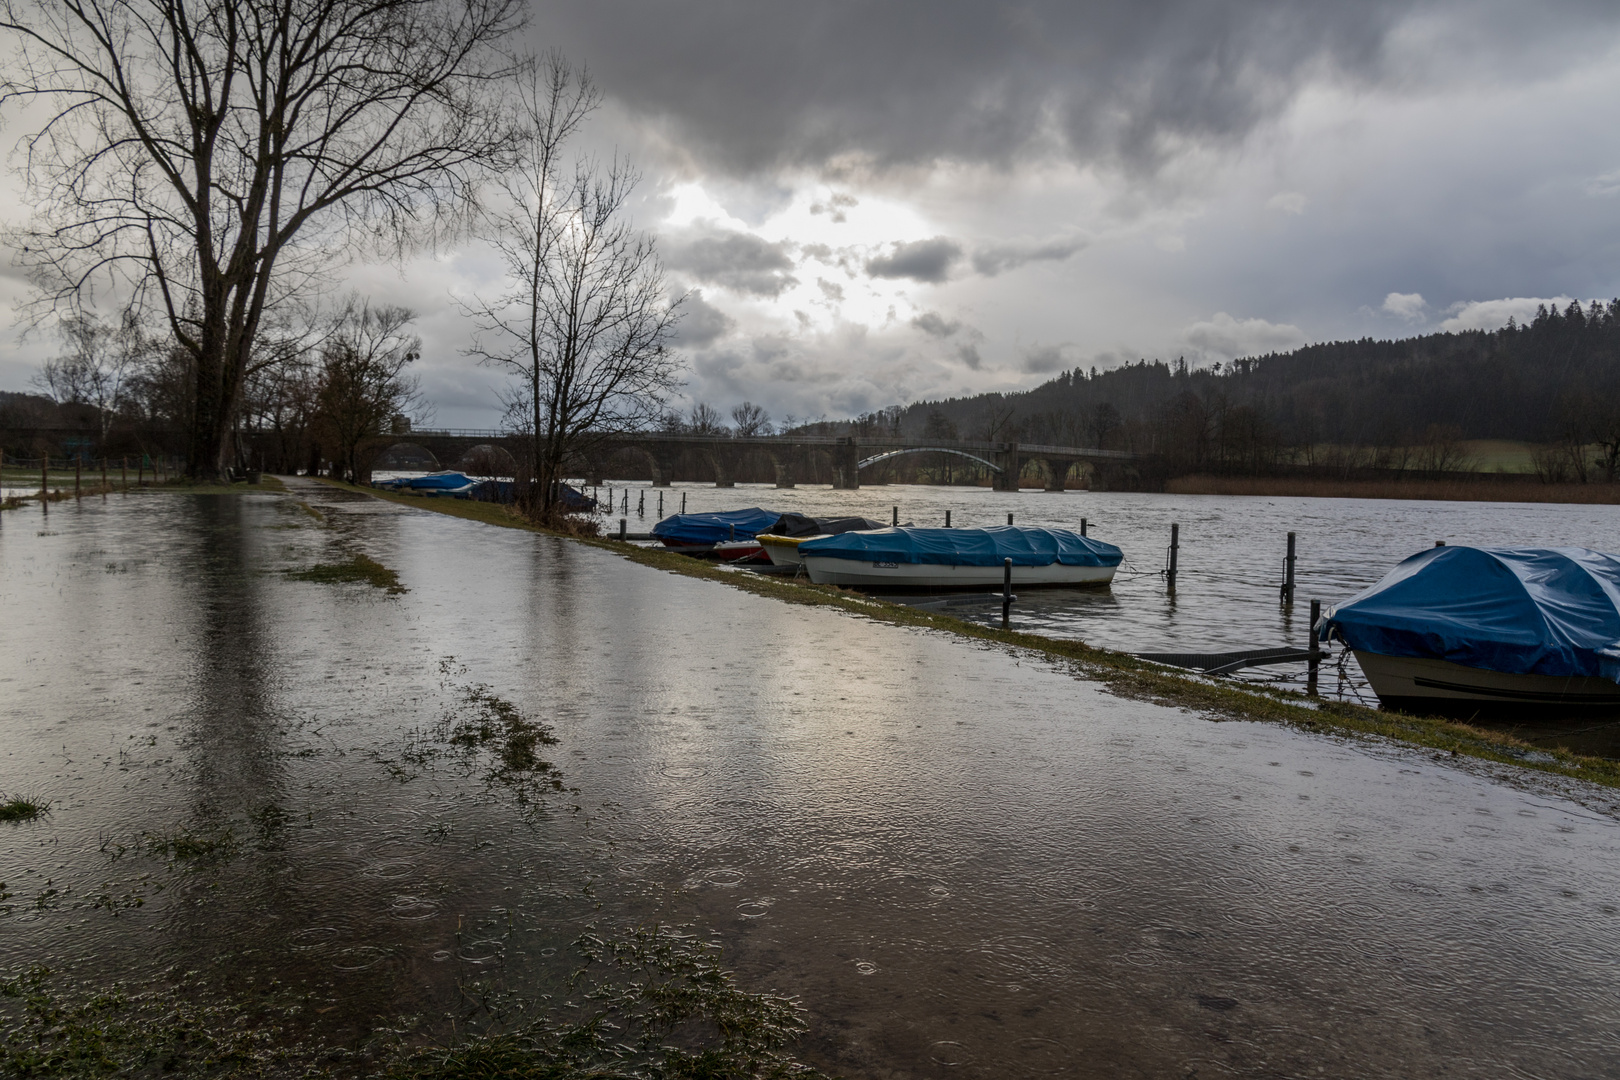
662,466
1012,466
785,464
846,465
723,477
1057,473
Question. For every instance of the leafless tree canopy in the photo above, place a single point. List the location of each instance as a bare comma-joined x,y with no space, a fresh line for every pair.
364,388
751,420
99,366
586,319
209,156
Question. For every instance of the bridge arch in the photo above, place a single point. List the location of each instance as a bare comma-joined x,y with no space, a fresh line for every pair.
874,459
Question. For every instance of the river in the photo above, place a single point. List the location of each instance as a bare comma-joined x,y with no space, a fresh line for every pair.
965,861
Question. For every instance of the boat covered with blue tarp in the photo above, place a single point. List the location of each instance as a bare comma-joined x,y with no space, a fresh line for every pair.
439,483
702,531
1489,624
959,558
461,486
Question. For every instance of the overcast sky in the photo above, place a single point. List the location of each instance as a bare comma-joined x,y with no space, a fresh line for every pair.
875,203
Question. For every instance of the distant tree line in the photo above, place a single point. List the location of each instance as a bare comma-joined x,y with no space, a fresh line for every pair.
313,391
1405,405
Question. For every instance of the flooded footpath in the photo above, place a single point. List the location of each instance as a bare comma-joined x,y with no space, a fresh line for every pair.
963,861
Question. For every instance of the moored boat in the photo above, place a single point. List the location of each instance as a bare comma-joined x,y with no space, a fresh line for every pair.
781,542
1489,629
908,558
697,534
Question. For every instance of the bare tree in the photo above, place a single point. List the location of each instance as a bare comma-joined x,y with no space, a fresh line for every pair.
363,388
210,156
98,367
706,420
750,420
586,320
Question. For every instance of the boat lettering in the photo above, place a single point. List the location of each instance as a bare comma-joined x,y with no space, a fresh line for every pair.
884,565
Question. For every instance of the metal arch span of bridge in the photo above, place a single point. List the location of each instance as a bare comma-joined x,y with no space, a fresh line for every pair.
790,455
875,458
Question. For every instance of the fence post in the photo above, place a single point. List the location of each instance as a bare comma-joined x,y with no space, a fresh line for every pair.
1288,573
1175,549
45,478
1315,649
123,472
1006,592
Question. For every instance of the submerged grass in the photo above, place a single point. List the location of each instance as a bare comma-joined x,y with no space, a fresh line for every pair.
22,808
649,1004
481,727
359,567
1122,673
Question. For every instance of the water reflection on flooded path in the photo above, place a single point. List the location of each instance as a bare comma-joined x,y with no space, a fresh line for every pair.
966,862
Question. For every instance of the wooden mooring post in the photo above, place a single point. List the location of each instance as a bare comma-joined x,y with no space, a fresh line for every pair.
1288,573
947,519
1009,519
896,520
1006,593
660,504
683,502
1082,526
624,530
1315,649
1175,549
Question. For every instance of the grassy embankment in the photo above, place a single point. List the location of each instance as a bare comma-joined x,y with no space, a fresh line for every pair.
1508,468
1120,672
1492,490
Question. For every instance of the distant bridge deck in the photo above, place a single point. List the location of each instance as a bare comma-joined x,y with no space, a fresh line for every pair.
848,454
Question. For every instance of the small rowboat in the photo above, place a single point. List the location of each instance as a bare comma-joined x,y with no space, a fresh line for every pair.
907,558
1489,629
782,542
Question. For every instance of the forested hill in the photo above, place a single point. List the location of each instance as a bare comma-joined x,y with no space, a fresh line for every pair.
1537,382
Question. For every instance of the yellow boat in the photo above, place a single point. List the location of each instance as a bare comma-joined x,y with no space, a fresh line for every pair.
784,550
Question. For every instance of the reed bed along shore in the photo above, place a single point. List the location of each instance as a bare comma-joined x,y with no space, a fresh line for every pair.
1515,489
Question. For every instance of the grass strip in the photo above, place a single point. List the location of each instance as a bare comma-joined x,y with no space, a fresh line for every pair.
360,567
1122,673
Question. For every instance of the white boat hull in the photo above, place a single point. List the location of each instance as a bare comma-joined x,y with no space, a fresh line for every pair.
1420,682
826,570
784,551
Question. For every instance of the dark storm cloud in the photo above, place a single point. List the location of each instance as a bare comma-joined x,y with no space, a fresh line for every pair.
934,324
991,261
701,322
733,260
921,260
747,87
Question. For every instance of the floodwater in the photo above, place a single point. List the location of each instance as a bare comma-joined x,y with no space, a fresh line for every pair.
967,862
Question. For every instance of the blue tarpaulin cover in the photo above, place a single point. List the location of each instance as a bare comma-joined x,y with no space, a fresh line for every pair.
1025,545
1523,611
714,528
439,481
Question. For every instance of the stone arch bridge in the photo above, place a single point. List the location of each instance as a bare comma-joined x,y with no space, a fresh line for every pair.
792,456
